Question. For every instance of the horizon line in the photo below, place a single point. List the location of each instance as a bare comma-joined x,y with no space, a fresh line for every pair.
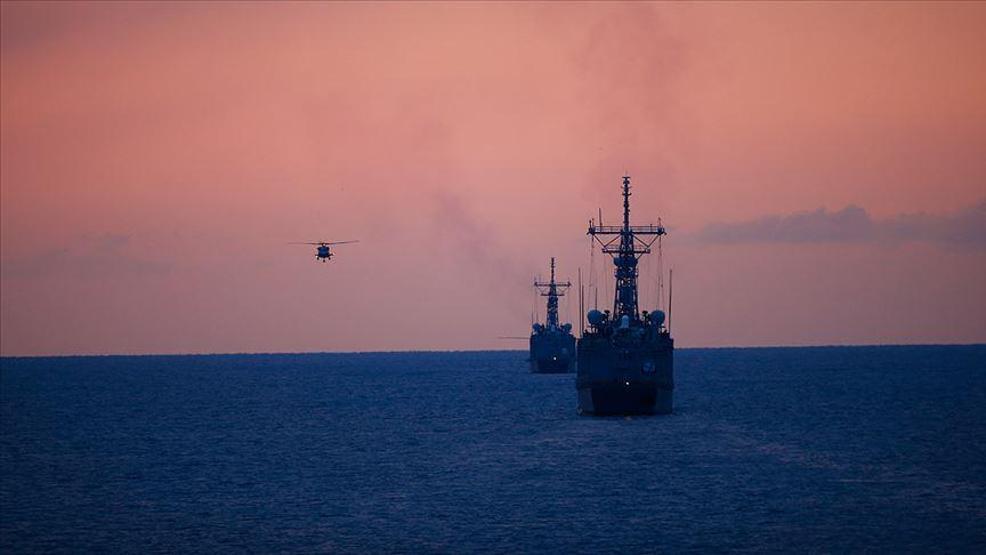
431,351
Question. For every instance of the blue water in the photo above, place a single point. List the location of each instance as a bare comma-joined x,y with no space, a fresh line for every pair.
807,449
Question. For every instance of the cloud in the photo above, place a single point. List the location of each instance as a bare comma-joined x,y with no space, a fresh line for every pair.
102,257
966,227
852,224
475,242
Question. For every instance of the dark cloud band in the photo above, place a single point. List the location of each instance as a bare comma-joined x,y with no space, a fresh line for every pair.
966,227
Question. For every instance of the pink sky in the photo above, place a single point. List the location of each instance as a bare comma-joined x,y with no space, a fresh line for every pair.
157,159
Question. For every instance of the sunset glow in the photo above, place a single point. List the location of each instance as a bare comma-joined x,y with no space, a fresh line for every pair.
821,169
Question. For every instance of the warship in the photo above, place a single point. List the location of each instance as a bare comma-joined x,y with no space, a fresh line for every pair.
552,344
625,358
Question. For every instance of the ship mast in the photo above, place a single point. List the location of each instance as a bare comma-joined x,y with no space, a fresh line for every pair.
552,290
626,244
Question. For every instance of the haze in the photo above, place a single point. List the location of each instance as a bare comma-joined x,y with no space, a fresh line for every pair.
821,169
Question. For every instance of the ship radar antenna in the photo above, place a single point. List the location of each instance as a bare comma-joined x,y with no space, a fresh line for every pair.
552,289
626,244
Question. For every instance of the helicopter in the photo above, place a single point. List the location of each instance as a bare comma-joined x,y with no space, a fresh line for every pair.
322,251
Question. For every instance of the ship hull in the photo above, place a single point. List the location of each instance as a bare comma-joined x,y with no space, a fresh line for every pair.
552,353
550,366
620,399
635,377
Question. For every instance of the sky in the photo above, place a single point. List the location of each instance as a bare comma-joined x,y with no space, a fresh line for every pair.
821,170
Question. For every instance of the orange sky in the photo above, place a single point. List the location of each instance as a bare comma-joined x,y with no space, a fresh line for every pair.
157,159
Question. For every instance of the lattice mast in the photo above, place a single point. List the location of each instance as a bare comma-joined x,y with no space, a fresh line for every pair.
626,244
552,290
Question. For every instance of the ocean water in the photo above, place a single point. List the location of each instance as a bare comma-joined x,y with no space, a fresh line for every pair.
797,449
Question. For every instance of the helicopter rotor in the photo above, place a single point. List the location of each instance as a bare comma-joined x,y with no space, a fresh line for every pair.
322,243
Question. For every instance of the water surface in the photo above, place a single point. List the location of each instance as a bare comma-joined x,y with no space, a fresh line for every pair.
809,449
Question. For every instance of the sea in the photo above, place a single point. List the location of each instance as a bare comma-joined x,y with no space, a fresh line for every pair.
827,450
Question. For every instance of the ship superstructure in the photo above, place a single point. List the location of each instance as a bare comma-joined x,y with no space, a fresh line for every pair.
552,343
625,358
